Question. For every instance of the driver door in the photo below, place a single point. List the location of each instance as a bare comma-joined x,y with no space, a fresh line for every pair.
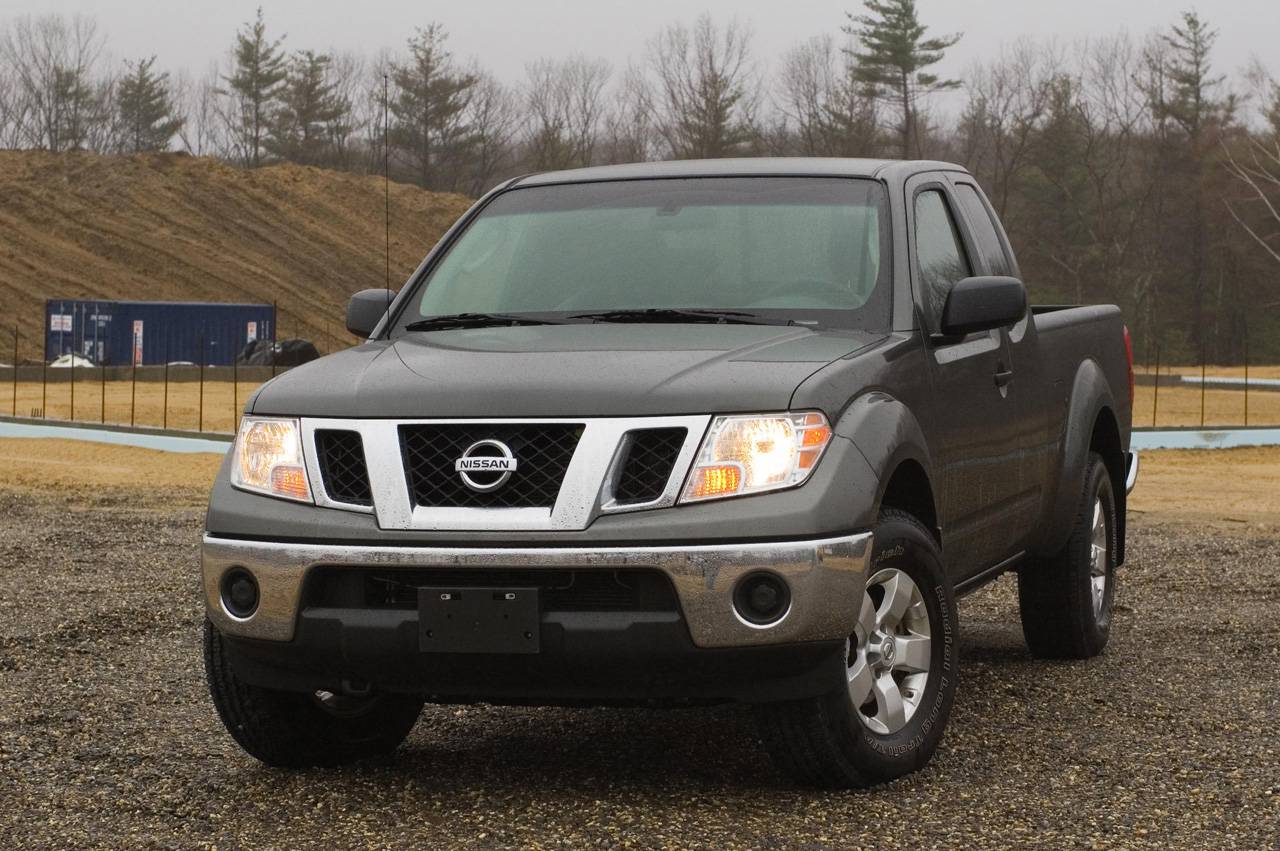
972,420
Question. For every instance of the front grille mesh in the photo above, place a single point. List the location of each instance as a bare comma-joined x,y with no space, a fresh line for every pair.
342,466
542,454
650,458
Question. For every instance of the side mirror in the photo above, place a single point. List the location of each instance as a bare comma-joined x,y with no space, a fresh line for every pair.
980,304
366,309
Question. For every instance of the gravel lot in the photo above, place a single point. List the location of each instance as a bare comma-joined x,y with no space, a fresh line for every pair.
108,738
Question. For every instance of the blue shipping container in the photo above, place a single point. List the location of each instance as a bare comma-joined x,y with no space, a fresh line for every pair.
119,333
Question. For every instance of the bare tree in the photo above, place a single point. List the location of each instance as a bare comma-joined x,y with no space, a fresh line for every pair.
834,115
628,127
202,108
494,117
52,59
1256,168
564,102
708,89
1008,100
15,107
346,75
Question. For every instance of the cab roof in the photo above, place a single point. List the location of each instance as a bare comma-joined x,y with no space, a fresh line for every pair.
744,167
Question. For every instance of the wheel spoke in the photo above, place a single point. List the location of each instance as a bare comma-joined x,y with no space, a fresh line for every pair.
912,653
860,681
897,597
890,709
867,617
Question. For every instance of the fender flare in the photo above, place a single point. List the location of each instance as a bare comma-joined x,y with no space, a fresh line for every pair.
887,433
1090,396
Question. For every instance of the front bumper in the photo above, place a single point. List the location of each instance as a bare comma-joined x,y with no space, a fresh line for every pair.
826,577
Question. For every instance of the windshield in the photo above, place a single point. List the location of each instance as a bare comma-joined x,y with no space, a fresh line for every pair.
807,250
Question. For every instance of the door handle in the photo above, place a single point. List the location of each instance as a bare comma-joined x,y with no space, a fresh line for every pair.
1003,377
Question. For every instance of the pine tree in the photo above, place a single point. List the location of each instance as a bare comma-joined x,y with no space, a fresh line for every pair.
890,59
145,109
1192,99
430,110
309,104
258,78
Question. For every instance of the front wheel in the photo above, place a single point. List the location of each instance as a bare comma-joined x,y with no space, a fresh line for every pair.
886,719
295,730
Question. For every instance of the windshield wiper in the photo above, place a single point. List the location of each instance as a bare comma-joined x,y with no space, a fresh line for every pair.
476,320
670,314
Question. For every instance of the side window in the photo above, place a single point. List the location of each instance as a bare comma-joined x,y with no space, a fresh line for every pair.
984,231
939,253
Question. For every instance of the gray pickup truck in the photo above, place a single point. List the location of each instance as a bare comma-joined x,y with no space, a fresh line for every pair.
668,434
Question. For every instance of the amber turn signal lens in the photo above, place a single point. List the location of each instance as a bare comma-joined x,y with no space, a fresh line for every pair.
290,481
716,481
816,436
809,457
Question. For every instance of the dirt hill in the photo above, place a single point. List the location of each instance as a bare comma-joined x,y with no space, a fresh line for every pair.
169,227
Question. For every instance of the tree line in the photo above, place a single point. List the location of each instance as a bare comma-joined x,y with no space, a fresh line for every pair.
1126,169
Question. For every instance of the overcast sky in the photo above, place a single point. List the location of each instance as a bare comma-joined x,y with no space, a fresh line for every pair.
505,34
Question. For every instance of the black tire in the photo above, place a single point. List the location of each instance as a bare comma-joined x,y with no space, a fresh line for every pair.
827,741
1056,595
294,730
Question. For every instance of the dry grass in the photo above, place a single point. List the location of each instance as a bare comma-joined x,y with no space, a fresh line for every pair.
1269,372
1180,406
169,227
1227,489
222,403
81,471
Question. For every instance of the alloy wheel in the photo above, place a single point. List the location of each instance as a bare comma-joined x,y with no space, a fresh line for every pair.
888,656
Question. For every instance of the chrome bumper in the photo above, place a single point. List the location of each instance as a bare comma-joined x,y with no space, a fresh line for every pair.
827,579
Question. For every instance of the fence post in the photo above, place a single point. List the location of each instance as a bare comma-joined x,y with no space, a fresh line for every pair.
15,370
44,388
1246,378
1155,402
133,393
102,386
164,418
235,395
1202,377
202,359
72,415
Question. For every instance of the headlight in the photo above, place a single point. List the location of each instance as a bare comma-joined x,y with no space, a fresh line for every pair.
751,454
268,459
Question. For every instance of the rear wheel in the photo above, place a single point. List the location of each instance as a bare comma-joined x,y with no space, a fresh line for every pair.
886,719
296,730
1066,600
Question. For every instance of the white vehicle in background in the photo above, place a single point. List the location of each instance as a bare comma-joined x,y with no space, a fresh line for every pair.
70,360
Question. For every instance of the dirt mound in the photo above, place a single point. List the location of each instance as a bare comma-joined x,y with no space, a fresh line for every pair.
170,227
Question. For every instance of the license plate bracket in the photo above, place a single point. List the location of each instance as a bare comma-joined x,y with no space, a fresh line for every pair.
478,620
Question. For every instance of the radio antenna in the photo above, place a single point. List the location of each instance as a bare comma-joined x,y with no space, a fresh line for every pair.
386,172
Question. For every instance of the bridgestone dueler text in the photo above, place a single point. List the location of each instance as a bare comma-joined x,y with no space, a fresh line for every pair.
292,730
825,741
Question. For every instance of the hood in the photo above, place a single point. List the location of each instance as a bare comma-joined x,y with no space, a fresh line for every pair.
584,370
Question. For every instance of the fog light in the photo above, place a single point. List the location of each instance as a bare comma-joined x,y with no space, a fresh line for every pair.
762,599
239,592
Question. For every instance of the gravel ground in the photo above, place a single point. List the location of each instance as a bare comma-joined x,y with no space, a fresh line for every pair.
108,737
